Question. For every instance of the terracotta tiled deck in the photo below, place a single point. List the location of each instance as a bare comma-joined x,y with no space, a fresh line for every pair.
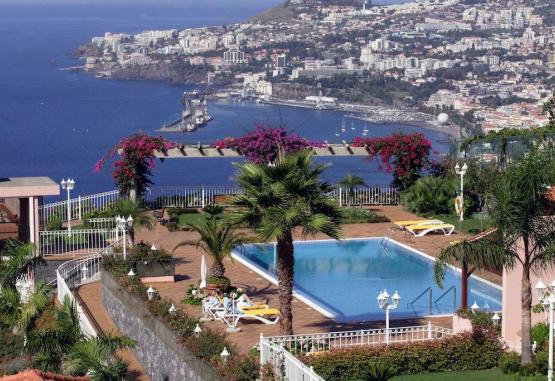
306,319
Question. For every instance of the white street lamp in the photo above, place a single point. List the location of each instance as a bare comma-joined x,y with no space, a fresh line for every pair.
496,319
198,330
150,293
131,273
153,248
461,171
124,225
172,309
84,273
548,300
225,354
475,307
68,185
387,303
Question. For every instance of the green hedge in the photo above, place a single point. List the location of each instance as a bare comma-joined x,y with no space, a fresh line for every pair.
479,349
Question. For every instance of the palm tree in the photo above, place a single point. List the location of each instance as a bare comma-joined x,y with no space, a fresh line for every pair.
61,346
279,198
48,345
126,208
21,316
17,260
217,238
351,182
472,255
97,357
517,208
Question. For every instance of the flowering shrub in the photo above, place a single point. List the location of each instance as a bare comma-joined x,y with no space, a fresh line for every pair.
263,145
133,169
479,349
403,154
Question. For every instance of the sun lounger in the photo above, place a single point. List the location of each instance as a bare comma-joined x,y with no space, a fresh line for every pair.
210,308
422,230
231,314
404,224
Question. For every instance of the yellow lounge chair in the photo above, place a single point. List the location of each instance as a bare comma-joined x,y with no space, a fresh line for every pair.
422,230
263,312
404,224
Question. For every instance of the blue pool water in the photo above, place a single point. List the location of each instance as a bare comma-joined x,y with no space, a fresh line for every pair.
344,278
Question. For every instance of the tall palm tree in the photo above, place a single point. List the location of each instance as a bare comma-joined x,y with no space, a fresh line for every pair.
472,255
97,357
126,208
17,260
217,238
517,208
351,182
278,199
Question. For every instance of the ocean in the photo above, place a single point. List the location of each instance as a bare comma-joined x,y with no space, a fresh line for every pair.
58,123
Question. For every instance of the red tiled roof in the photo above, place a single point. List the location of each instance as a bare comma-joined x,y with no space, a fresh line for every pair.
37,375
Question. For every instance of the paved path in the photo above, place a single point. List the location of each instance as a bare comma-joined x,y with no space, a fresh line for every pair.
91,295
306,319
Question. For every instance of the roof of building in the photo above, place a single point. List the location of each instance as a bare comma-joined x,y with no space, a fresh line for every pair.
28,186
37,375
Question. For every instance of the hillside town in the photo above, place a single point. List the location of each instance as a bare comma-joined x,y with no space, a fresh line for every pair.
489,65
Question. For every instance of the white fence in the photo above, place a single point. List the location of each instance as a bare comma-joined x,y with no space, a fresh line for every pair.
102,223
199,197
80,241
79,206
280,351
76,272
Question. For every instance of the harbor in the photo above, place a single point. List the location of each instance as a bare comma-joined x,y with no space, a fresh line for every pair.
194,115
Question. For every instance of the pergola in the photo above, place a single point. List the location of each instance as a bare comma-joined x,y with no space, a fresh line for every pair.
20,198
200,151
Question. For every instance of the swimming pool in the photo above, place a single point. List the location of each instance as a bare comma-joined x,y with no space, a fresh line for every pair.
342,279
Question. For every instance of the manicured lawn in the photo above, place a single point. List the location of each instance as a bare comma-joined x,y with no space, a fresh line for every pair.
469,225
188,218
470,375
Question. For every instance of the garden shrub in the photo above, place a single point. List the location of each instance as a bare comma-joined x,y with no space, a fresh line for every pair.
241,368
540,334
55,223
509,362
357,215
430,195
479,349
540,362
379,371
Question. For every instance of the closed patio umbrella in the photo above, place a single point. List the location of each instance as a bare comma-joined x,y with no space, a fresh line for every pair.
203,271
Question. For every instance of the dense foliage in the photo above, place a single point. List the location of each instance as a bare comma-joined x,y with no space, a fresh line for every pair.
207,346
430,195
405,155
263,145
479,349
132,171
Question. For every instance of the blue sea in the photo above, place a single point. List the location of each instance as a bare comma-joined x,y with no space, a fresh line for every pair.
58,123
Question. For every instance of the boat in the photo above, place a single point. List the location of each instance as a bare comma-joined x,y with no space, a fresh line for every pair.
343,128
365,130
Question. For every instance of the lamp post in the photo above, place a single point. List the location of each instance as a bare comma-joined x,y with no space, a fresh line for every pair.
387,303
150,293
461,171
124,225
548,300
68,185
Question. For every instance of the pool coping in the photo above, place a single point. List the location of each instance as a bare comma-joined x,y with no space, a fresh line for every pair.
308,301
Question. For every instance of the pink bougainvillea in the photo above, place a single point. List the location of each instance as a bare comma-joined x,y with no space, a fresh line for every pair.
404,155
136,159
263,145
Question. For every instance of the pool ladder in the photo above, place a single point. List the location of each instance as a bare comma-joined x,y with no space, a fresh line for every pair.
385,240
432,302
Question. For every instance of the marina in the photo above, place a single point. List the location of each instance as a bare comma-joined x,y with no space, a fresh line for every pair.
194,115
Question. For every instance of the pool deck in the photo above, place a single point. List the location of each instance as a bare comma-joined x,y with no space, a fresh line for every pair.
305,318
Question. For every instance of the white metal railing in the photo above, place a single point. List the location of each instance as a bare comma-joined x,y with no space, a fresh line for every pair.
79,241
281,351
102,223
286,366
79,271
200,196
79,206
